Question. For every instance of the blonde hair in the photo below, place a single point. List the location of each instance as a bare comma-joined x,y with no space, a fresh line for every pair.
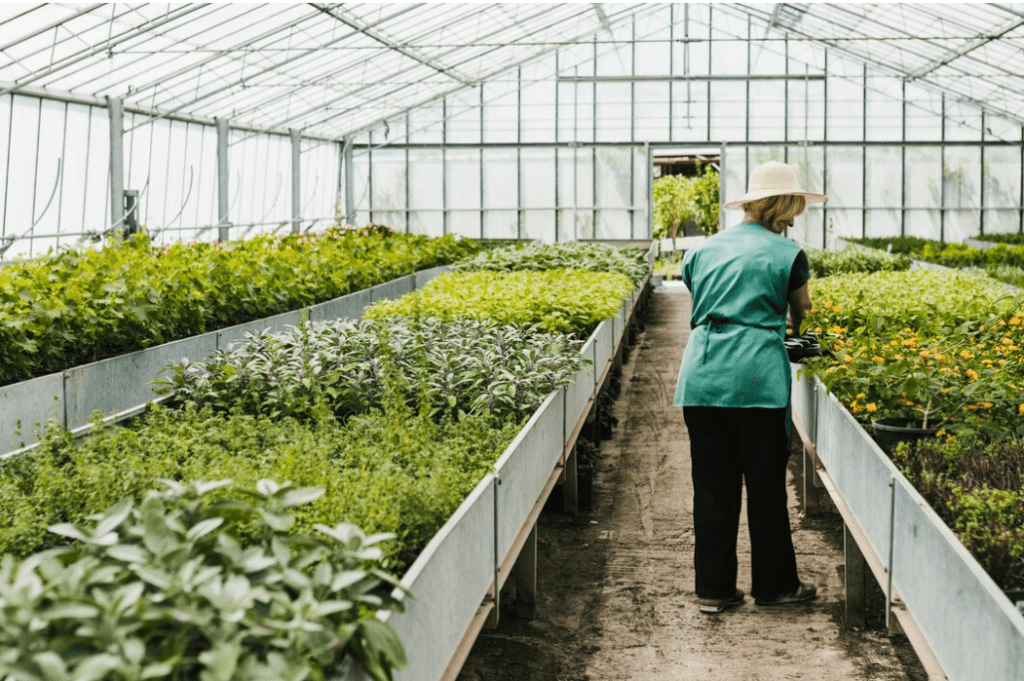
772,211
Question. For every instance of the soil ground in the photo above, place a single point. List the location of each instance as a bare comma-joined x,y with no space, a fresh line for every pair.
615,593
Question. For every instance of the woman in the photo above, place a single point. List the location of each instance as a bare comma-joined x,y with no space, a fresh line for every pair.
734,386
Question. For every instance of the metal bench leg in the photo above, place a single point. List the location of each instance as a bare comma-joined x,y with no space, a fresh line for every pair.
570,488
526,578
856,582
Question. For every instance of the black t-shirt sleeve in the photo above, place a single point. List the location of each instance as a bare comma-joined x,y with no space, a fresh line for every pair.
801,271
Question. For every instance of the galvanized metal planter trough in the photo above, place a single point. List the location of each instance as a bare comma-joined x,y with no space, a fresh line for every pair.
122,383
960,623
456,581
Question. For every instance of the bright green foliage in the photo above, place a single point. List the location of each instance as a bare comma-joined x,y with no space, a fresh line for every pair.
850,260
81,306
446,369
927,301
578,255
942,346
393,473
679,199
563,301
1004,262
168,588
977,488
1015,238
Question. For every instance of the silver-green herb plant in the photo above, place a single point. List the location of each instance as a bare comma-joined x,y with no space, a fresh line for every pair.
167,590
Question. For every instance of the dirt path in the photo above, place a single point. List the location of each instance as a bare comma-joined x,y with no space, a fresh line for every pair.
615,585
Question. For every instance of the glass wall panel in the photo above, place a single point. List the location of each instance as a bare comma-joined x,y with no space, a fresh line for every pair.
963,122
923,177
961,174
923,120
806,117
651,116
501,224
501,110
389,184
845,170
426,191
616,59
538,103
1002,177
767,110
73,179
884,108
689,111
728,57
463,191
881,222
653,56
614,112
21,177
807,228
961,224
46,186
567,121
501,179
642,178
427,222
1002,221
926,224
584,181
539,224
614,178
883,178
538,179
426,124
728,110
842,224
463,125
733,183
566,198
612,224
845,104
585,123
997,128
97,190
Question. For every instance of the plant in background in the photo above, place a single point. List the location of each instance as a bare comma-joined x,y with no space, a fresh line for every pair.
848,260
168,589
679,199
566,255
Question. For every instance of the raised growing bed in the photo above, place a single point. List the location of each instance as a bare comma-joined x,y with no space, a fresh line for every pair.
123,382
457,579
958,620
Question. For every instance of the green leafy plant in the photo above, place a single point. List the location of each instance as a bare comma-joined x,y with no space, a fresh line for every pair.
81,306
444,368
168,589
848,260
579,255
563,301
679,199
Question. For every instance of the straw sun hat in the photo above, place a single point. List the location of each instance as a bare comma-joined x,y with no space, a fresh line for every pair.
774,179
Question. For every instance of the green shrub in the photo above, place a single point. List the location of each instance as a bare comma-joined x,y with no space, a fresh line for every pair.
577,255
167,588
563,301
393,473
444,369
81,306
977,488
848,260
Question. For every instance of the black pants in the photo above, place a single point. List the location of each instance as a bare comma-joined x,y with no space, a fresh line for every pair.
729,446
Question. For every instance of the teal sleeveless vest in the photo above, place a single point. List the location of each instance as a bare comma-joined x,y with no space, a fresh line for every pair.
735,357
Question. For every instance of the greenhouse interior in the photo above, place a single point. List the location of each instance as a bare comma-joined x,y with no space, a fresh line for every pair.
352,341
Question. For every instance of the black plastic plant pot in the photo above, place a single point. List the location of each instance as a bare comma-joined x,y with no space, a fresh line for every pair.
889,432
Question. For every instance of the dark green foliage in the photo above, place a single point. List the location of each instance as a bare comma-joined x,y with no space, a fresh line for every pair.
848,260
977,488
395,473
1015,239
79,307
169,588
580,255
1004,262
444,369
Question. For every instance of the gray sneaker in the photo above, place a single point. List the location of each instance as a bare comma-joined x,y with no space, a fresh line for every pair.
713,606
803,593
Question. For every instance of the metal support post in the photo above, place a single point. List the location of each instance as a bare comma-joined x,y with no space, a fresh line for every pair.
650,190
350,193
115,110
223,200
812,496
856,581
570,488
131,211
296,181
526,578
